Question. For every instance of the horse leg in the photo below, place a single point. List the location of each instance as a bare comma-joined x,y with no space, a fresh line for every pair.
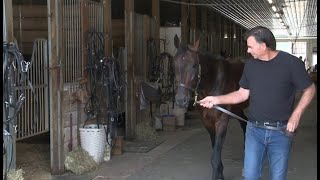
220,167
217,166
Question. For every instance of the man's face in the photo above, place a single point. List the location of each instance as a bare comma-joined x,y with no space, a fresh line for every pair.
254,48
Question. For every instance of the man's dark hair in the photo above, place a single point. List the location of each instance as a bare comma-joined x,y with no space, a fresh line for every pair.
262,35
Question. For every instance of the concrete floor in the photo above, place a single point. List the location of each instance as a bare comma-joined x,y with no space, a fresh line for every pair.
185,155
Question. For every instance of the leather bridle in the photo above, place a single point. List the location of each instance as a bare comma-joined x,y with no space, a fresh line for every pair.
198,82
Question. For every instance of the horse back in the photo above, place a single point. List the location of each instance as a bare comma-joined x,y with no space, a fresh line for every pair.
235,73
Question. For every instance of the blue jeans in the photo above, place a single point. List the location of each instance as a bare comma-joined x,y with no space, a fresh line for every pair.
261,143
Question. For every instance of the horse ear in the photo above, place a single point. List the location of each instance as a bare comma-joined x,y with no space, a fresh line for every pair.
176,41
196,45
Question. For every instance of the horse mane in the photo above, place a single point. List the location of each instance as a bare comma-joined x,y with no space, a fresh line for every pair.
219,75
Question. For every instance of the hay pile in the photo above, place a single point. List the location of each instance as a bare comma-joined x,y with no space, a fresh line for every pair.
15,174
79,161
144,132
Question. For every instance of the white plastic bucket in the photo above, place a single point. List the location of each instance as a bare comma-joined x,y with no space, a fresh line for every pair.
93,140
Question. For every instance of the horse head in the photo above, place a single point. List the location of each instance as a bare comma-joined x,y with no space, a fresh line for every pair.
187,72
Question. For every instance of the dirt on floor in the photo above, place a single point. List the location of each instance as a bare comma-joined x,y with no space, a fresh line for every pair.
33,154
33,157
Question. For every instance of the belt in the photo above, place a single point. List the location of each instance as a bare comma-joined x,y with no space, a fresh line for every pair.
270,125
279,126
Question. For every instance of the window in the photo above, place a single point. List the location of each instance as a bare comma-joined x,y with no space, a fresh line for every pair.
300,49
314,59
284,46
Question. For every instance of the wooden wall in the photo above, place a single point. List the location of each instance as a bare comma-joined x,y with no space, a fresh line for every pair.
29,22
118,30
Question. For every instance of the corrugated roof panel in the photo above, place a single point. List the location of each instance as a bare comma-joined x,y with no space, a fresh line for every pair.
299,16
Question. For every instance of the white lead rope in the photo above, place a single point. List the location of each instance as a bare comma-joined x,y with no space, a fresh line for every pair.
226,111
283,130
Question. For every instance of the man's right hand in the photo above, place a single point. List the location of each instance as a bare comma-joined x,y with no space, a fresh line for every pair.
208,101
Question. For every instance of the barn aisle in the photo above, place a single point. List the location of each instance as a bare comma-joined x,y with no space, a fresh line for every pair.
185,155
190,159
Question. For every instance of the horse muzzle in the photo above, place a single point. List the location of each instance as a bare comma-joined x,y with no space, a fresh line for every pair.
182,100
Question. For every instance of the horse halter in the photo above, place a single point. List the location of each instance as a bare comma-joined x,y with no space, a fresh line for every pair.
196,88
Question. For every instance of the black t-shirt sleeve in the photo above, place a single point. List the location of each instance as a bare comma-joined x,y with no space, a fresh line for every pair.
244,83
300,77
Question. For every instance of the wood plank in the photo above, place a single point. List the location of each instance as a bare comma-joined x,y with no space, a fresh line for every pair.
85,27
204,27
156,16
129,37
31,23
118,33
193,22
30,36
184,22
55,93
204,21
146,36
107,27
30,11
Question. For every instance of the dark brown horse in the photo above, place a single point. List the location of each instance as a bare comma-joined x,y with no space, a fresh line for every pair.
204,74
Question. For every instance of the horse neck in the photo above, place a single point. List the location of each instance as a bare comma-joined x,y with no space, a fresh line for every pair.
213,77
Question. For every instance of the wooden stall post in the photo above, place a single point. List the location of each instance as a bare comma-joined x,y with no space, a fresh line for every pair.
222,33
146,36
229,40
193,23
56,91
107,27
184,22
156,16
211,31
85,28
204,28
130,94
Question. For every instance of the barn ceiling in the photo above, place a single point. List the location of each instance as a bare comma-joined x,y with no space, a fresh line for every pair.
287,19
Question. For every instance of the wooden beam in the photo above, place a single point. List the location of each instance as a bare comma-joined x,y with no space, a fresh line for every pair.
30,11
156,16
193,22
219,32
184,22
204,18
243,42
84,36
55,93
146,36
107,27
7,5
223,32
233,41
211,30
130,94
204,27
229,39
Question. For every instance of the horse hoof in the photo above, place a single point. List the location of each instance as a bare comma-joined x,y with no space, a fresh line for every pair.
221,177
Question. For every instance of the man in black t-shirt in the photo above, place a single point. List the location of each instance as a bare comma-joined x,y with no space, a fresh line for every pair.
271,79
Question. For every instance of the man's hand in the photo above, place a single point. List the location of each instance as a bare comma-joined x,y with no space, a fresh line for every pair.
293,122
208,101
304,101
